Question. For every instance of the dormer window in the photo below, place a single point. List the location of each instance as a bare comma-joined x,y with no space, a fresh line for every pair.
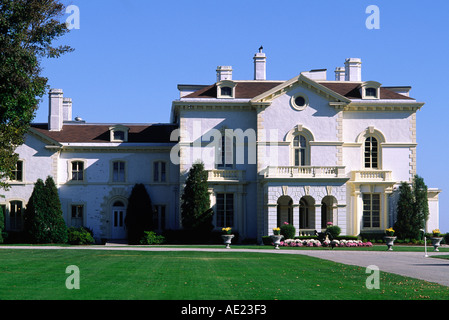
119,133
226,89
370,90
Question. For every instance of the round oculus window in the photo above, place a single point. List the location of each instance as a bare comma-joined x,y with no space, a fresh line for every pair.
299,102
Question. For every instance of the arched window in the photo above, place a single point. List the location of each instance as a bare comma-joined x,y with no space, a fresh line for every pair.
371,153
300,149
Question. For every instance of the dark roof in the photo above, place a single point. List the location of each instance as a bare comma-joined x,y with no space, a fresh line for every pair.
243,90
251,89
351,90
99,133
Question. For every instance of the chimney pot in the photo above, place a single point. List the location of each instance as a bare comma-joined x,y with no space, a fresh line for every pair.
260,65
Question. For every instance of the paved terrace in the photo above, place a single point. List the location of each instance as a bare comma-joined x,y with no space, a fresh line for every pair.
409,264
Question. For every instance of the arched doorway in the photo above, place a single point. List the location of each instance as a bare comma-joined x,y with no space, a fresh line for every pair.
327,210
284,210
306,213
118,220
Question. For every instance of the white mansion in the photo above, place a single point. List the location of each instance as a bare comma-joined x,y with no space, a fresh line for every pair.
305,151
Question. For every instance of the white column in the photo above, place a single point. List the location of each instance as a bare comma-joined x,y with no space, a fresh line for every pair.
318,216
296,217
272,218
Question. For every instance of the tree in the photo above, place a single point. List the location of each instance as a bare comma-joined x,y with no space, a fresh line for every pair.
34,220
195,202
139,214
43,220
421,207
27,30
54,217
413,209
404,223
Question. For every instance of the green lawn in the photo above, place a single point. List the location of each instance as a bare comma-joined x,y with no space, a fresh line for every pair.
104,274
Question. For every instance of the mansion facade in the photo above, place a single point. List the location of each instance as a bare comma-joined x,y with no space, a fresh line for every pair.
306,151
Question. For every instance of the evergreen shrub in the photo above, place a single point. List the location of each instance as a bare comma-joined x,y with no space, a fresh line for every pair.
151,238
288,231
334,231
43,220
79,236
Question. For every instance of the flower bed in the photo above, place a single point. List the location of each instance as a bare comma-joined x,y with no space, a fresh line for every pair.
326,243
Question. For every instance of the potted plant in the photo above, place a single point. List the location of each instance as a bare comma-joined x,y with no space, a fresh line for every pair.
276,237
389,238
436,239
227,236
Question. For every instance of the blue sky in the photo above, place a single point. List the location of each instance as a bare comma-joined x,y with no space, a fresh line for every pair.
131,54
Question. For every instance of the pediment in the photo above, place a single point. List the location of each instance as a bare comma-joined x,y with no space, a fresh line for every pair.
300,81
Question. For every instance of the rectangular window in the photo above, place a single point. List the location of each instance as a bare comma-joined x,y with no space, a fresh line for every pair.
225,156
119,135
77,215
15,215
159,217
225,210
159,171
371,210
77,171
17,173
118,171
371,153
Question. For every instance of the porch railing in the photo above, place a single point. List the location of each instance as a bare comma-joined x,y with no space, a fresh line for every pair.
226,175
304,172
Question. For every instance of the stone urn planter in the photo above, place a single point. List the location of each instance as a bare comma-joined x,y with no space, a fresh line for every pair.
436,242
227,238
389,240
276,240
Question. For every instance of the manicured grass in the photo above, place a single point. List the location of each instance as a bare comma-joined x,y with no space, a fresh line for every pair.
104,274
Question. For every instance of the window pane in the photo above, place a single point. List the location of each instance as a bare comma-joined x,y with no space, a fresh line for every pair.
226,91
119,135
162,171
297,159
303,156
296,141
77,171
18,172
77,215
118,174
15,215
156,171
